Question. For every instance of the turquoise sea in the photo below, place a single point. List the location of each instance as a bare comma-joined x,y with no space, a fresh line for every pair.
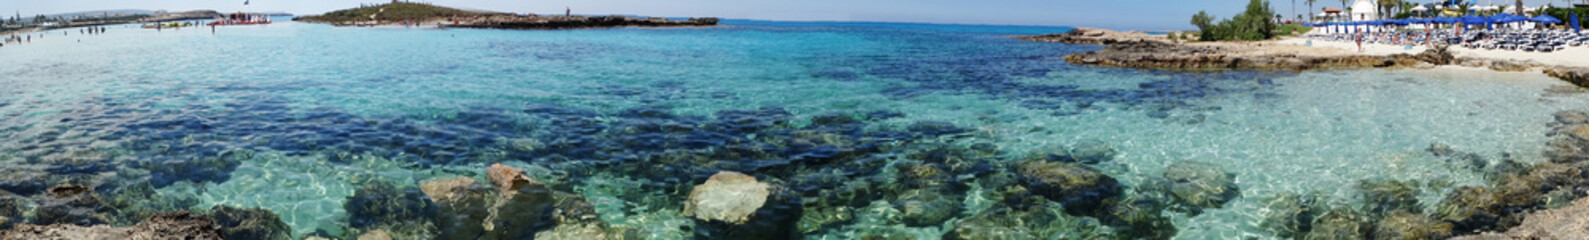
856,120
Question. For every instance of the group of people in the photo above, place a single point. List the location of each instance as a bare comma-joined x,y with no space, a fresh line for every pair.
28,38
25,38
91,30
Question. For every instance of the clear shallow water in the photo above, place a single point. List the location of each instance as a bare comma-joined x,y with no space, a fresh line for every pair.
294,118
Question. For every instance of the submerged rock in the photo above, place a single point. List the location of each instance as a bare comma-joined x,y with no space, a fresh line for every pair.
1077,187
1139,216
1092,152
1470,208
588,232
732,205
1201,184
1339,224
171,225
70,204
1041,221
926,207
1405,225
250,223
1290,215
1385,196
378,204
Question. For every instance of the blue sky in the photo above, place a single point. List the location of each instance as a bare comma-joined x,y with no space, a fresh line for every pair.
1117,14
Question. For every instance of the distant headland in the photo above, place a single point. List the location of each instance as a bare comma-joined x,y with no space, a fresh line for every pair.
420,14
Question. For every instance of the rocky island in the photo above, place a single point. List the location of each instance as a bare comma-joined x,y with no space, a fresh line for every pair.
419,14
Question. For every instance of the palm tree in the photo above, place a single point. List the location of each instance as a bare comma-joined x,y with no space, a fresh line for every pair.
1310,6
1384,8
1520,8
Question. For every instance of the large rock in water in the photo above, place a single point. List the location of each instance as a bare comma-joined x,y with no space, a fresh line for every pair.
514,207
1079,188
250,223
462,204
173,225
1201,184
1577,76
732,205
70,203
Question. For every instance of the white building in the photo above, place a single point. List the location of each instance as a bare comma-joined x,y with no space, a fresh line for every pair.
1364,10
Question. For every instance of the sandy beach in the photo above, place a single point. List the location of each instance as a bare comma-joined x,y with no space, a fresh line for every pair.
1572,56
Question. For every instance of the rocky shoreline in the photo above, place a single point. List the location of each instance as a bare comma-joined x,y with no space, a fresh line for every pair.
1141,50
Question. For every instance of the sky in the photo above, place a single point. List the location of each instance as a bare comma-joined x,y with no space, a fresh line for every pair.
1113,14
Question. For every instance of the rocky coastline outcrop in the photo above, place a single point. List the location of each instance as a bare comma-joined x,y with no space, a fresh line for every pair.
1164,55
421,14
1142,50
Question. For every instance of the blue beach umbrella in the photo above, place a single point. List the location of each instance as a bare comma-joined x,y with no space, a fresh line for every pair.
1545,19
1474,20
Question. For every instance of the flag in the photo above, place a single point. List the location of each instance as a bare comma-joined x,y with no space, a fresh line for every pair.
1575,26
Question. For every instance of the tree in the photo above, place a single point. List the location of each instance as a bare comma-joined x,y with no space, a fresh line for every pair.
1310,6
40,19
1385,6
1205,25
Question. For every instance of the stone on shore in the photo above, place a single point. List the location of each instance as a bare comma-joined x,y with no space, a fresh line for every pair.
169,225
250,223
1575,75
1563,223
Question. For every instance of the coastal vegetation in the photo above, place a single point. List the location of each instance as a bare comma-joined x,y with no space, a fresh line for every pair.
1287,29
1565,14
1256,23
391,12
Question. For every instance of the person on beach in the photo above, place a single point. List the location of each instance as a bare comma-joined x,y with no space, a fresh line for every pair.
1359,41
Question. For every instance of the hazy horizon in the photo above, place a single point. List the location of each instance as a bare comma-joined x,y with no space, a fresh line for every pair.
1129,14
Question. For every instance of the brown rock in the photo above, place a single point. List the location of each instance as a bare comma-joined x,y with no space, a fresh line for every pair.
1576,75
1581,133
507,178
727,196
378,234
445,190
1564,223
172,225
